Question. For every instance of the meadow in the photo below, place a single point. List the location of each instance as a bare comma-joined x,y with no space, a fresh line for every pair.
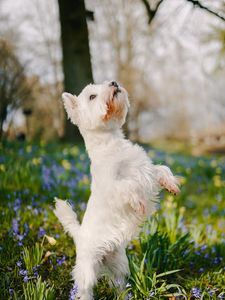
179,254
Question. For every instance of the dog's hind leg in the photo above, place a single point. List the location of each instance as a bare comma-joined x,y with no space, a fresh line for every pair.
118,268
85,276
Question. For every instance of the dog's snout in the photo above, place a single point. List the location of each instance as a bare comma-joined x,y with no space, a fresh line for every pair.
114,83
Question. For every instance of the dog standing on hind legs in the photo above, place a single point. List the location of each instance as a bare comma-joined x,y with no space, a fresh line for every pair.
124,188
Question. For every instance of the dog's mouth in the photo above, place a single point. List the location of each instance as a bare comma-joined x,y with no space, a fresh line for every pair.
114,93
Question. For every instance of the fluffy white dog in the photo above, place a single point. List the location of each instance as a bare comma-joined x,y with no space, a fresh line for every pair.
124,187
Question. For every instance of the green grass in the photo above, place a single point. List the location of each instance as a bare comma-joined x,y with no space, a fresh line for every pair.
180,252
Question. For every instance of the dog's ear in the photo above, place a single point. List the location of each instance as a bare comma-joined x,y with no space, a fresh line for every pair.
69,100
70,104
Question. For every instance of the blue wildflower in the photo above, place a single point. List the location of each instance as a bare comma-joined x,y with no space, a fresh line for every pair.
15,226
19,263
11,291
16,204
35,270
196,292
26,228
23,272
152,293
73,292
61,260
211,292
204,247
41,232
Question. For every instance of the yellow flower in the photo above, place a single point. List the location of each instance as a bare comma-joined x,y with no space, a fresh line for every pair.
51,240
213,163
182,180
169,203
217,181
28,148
182,210
66,164
36,160
2,167
74,150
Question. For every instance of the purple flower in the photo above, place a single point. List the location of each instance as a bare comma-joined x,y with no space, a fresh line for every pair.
36,274
11,291
25,279
61,260
221,296
20,237
204,247
23,272
35,270
212,292
17,204
129,295
73,292
201,270
19,263
26,228
15,226
196,292
41,232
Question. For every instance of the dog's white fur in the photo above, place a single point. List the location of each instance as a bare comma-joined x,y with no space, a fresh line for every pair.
124,187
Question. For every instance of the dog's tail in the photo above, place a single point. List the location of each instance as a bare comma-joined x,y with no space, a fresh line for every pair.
67,217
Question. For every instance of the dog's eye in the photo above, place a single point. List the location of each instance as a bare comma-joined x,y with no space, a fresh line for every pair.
92,97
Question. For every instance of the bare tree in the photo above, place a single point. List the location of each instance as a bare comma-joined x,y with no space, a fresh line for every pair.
151,11
14,88
118,38
43,43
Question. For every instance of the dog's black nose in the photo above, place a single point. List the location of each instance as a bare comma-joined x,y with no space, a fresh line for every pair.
114,83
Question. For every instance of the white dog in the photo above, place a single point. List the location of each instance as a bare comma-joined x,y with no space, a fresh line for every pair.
124,187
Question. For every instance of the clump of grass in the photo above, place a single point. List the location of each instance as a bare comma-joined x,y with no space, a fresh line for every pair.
38,290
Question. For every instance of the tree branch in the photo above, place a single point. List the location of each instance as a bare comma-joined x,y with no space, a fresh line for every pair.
151,12
200,5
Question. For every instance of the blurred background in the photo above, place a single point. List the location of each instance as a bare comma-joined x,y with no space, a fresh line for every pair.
168,54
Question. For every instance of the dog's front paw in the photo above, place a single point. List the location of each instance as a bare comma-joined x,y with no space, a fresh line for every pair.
170,185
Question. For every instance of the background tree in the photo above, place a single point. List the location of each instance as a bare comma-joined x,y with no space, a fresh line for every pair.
76,54
14,88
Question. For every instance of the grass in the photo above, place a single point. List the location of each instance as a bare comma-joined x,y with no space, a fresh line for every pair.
179,254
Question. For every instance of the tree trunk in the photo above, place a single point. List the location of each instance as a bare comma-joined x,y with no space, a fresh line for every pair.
76,53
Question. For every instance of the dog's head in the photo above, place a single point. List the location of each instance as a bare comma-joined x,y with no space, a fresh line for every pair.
99,106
